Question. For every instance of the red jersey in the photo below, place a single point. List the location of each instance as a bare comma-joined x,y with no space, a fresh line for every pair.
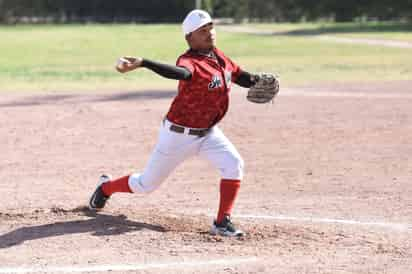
203,100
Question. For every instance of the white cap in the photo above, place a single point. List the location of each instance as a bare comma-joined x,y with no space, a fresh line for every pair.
194,20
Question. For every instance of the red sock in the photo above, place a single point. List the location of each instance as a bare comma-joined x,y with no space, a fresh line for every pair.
228,193
118,185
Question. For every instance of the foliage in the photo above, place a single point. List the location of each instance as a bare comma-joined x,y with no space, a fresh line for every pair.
174,10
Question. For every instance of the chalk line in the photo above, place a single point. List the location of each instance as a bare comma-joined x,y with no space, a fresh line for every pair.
127,267
395,226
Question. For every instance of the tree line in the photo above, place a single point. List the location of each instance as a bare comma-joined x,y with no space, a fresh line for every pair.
66,11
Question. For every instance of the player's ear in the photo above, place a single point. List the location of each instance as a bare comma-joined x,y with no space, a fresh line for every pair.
188,38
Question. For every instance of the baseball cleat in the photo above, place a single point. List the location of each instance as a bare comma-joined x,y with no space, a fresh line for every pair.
98,199
226,228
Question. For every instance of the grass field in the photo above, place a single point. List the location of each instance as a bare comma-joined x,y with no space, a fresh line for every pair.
81,57
384,30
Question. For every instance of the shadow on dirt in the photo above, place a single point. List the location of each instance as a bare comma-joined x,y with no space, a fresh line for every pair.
98,225
37,100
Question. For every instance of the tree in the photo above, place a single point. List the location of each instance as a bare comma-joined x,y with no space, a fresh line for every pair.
175,10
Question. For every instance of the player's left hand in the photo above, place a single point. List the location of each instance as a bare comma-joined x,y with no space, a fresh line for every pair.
265,89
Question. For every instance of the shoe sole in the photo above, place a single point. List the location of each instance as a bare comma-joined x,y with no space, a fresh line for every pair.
91,207
102,179
215,231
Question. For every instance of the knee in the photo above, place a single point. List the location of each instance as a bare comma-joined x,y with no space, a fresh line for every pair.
240,168
234,169
140,184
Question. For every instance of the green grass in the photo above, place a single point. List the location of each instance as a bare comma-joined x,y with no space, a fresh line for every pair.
82,57
371,30
397,36
395,28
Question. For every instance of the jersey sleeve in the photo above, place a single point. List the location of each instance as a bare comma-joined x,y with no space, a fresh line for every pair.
236,70
186,63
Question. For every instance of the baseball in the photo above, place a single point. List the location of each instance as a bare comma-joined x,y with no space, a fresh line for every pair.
120,66
124,60
121,61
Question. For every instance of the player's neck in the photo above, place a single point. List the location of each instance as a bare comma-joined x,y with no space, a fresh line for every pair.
206,52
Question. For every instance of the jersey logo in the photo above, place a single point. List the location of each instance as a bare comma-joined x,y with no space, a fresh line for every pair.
215,83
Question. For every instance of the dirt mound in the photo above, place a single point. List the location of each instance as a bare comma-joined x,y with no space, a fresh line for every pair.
341,157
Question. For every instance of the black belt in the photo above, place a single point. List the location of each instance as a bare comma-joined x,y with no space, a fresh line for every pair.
192,131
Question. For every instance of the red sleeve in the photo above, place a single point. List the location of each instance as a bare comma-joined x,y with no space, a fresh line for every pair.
236,71
185,62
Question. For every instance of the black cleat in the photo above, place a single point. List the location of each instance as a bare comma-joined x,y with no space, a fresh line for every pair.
226,228
98,199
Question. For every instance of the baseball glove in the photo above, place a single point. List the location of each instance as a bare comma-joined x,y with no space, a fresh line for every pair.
265,89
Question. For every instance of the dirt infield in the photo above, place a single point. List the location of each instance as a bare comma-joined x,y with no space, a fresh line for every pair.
327,185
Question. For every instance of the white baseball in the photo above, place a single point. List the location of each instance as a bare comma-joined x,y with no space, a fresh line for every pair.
124,60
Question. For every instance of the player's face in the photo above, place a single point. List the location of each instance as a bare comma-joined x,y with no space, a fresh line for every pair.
203,38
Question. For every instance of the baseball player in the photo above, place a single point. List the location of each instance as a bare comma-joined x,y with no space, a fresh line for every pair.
190,128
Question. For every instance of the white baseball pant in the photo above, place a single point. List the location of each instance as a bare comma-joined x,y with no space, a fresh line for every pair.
173,148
